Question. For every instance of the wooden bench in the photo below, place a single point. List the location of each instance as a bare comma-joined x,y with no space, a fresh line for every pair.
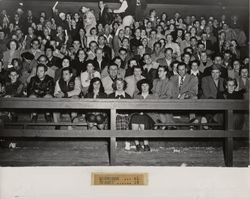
227,106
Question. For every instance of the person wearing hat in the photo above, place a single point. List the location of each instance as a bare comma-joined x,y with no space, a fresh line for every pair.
142,121
29,67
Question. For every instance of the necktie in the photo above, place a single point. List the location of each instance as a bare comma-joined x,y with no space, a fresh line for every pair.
181,83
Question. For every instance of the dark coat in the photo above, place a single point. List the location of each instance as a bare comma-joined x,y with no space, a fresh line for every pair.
41,88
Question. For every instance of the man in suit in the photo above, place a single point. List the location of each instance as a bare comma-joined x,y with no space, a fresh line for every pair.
185,85
167,60
105,17
196,73
213,85
218,62
213,88
149,69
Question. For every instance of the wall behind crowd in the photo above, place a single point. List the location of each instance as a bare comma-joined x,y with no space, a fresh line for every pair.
170,9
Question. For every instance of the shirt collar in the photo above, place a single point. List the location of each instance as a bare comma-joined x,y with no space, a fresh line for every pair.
123,94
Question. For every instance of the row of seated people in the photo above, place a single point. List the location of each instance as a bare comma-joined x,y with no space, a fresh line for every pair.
182,86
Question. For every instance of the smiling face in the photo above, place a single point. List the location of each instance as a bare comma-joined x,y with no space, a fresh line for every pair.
182,70
119,85
13,45
113,71
65,63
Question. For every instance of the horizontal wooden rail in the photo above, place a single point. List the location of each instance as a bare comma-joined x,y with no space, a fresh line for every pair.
168,104
225,106
40,133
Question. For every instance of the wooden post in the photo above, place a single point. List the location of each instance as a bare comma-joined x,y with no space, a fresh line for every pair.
112,143
112,151
228,142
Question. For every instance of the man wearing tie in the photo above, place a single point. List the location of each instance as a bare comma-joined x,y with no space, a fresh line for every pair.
185,85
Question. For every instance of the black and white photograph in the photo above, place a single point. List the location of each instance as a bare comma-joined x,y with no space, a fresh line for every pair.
128,99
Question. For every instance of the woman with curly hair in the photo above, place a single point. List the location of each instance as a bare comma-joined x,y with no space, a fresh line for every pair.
96,91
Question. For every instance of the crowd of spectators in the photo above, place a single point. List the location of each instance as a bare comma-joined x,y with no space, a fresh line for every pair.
85,55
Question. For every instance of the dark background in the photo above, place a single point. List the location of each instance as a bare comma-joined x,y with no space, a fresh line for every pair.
185,7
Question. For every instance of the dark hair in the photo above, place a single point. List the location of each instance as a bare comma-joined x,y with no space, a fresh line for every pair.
144,81
12,40
77,53
123,49
42,65
93,42
168,49
119,79
67,69
181,64
115,58
65,57
156,44
195,61
43,56
173,63
49,47
112,64
12,62
229,79
35,39
137,66
12,70
132,59
244,67
94,28
164,67
91,87
89,62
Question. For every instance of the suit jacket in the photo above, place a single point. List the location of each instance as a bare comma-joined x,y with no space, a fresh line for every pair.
151,74
190,86
199,76
105,17
223,70
163,62
209,89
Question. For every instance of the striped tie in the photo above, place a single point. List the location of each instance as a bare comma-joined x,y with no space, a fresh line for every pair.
181,83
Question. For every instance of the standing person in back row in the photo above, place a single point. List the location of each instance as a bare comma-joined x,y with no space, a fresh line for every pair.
123,9
137,8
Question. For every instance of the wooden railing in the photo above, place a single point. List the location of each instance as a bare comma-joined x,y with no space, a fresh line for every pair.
227,106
